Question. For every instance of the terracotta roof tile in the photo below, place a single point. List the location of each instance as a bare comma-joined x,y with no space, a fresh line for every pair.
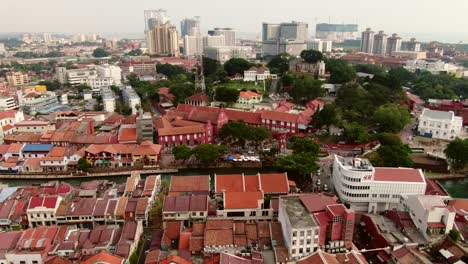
194,184
242,200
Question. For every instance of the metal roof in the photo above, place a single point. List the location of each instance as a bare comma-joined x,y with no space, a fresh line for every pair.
37,147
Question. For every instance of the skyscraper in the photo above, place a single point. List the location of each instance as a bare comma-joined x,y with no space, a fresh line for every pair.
228,33
151,16
190,26
380,43
393,44
163,39
193,45
336,32
287,37
411,45
367,41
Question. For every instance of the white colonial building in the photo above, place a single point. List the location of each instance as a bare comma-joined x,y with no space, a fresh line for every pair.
258,74
440,124
368,189
430,213
249,97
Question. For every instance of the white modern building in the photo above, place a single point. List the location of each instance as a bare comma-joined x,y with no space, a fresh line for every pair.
367,41
440,124
214,41
368,189
320,45
108,99
290,37
33,103
434,66
223,54
193,45
229,35
300,230
380,43
110,71
131,98
8,103
94,76
430,213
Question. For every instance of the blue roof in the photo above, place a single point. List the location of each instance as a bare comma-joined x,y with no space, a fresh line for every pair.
37,147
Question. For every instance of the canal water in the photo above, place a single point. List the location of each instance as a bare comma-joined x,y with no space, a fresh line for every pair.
456,188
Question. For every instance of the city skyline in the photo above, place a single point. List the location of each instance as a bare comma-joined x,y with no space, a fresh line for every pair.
125,20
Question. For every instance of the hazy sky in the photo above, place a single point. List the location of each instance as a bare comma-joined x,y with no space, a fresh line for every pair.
425,19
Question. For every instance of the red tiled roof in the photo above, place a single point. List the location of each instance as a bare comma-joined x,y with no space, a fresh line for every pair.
174,260
181,130
229,183
398,175
242,200
274,182
218,237
32,162
58,260
103,257
128,134
8,114
318,257
249,95
172,230
199,97
147,148
268,183
190,184
284,117
219,224
317,202
436,225
47,202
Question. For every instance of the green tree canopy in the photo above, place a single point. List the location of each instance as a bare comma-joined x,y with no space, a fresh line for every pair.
170,70
181,91
311,56
370,69
100,53
210,66
239,133
302,165
355,133
391,117
457,153
306,88
304,145
279,63
208,153
392,156
341,71
236,65
51,85
227,95
326,117
83,164
135,52
182,152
